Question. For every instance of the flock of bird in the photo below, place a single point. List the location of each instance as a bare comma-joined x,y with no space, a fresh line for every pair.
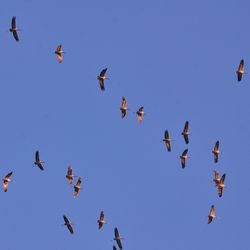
219,181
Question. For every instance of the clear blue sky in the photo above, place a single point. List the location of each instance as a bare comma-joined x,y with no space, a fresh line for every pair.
178,59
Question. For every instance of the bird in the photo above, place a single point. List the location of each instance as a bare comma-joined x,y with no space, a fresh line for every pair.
220,184
118,238
114,247
184,157
77,187
68,224
38,162
185,132
70,175
216,151
14,29
6,181
101,220
167,140
124,107
216,177
211,215
241,71
102,78
59,52
140,114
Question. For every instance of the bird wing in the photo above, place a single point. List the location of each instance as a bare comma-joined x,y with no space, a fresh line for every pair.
59,57
241,65
185,130
69,226
37,157
119,243
168,145
103,72
166,135
39,164
15,35
216,146
141,109
102,216
183,162
5,186
13,23
116,233
185,152
65,219
114,248
8,175
70,171
186,138
101,82
124,112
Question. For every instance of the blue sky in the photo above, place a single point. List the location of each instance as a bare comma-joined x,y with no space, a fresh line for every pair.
178,59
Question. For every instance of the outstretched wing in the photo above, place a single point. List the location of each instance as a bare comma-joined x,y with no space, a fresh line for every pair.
37,157
103,72
185,152
5,185
8,175
13,23
101,82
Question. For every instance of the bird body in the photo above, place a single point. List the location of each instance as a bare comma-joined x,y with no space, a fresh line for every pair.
38,162
211,215
184,157
241,70
14,28
185,132
68,224
216,151
140,114
59,52
101,220
167,140
124,107
70,175
77,187
102,78
118,238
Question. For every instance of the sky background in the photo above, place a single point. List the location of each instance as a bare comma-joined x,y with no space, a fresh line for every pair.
178,59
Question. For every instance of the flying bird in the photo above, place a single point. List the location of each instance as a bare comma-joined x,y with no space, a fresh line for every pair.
167,140
101,220
216,177
124,107
216,151
241,71
38,162
140,114
77,187
6,181
14,29
185,132
118,238
184,157
70,175
221,185
102,78
59,52
68,224
211,215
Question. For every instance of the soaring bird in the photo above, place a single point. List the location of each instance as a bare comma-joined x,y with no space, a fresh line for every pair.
184,157
216,177
59,52
14,29
211,215
77,187
167,140
124,107
68,224
241,71
216,151
140,114
118,238
101,220
6,181
70,175
102,78
185,132
38,162
221,185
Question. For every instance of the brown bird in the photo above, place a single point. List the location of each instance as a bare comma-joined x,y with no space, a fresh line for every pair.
14,29
101,220
216,151
102,78
184,157
38,162
77,187
216,177
211,215
185,132
221,185
124,107
6,181
68,224
167,140
70,175
241,71
140,114
118,238
59,52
